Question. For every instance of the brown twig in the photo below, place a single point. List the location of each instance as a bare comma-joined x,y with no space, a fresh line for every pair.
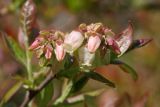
30,94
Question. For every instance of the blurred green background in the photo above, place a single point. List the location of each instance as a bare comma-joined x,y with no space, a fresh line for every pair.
66,15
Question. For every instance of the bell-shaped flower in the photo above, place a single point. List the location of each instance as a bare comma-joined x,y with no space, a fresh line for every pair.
93,43
59,51
48,52
73,41
36,43
85,57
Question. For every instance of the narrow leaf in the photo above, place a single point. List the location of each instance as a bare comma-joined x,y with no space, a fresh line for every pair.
66,89
45,96
100,78
80,83
15,49
139,43
81,97
28,16
68,72
126,68
11,91
98,60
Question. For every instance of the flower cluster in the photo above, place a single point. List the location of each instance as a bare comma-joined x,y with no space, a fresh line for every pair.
47,42
87,39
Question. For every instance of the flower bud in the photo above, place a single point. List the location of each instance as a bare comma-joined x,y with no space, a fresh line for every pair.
36,43
93,43
48,53
73,41
59,51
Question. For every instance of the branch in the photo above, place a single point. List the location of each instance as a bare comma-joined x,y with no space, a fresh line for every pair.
30,94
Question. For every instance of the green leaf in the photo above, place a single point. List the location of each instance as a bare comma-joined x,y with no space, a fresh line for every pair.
66,89
81,96
100,78
11,92
69,60
113,56
106,59
126,68
15,49
68,72
79,84
90,101
98,60
43,61
45,96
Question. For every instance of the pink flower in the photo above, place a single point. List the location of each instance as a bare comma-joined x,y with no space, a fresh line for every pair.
48,53
36,43
73,41
112,43
93,43
59,51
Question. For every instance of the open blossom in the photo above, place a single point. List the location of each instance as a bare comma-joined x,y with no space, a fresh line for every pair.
73,41
93,43
93,33
85,57
59,51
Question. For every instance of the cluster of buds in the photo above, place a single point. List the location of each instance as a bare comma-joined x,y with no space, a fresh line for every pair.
96,35
47,42
87,39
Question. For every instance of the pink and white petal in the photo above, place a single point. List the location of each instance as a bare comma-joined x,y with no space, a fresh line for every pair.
112,43
60,52
73,41
125,39
48,54
93,43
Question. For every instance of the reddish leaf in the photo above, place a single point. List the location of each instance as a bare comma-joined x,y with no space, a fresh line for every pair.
139,43
112,43
124,40
28,16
